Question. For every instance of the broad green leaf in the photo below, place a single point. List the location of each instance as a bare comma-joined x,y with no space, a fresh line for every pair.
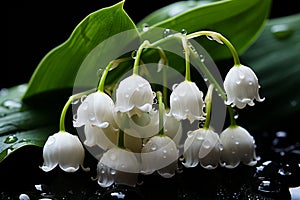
239,20
58,69
171,10
275,59
21,125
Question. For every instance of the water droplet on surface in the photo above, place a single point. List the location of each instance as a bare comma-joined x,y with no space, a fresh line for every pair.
237,143
238,82
113,157
76,101
75,117
281,31
85,105
153,147
10,104
113,172
145,27
92,117
202,58
206,144
24,197
10,139
183,31
174,86
83,98
166,33
100,72
133,54
250,83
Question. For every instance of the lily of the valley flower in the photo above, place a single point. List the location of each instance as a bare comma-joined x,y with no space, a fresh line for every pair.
96,109
186,102
241,86
202,145
238,146
134,95
65,150
160,154
118,166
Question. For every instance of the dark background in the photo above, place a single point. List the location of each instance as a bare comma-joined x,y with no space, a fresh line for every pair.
34,27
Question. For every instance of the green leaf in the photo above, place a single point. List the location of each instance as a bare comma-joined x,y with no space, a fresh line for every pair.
171,10
58,69
275,59
21,125
239,20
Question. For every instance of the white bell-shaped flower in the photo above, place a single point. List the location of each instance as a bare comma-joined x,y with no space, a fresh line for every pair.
186,102
159,154
134,95
105,138
96,109
237,146
202,145
65,150
241,86
118,166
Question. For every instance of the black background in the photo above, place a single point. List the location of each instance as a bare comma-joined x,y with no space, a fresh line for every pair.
34,27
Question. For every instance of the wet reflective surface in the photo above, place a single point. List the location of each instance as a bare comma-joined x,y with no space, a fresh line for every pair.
277,171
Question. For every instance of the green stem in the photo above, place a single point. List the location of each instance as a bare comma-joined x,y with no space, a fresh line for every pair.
138,56
220,39
208,102
68,103
187,59
209,76
121,139
164,74
160,114
231,115
111,65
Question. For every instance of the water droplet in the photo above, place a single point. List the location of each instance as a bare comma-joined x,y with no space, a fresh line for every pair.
238,82
113,172
10,139
183,31
153,147
164,151
237,143
75,117
202,58
250,83
206,144
113,157
281,31
83,98
199,137
190,133
186,110
126,95
145,27
166,33
10,104
75,101
133,54
24,197
100,72
164,156
221,147
242,76
25,140
92,117
233,152
205,79
155,101
210,37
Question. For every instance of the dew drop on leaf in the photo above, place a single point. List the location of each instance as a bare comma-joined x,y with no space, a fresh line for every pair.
10,139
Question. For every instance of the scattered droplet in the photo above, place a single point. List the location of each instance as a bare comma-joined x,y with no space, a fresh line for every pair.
24,197
76,101
10,139
83,98
281,31
145,27
113,172
10,104
100,72
166,33
238,82
202,58
75,117
183,31
113,157
133,54
206,144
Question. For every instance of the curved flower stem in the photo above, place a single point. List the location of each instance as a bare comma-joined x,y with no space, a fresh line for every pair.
111,65
160,114
220,39
187,58
68,103
164,74
209,76
145,44
208,101
231,115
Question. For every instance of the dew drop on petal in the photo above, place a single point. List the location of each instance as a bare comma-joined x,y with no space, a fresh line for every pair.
206,144
145,27
202,58
166,32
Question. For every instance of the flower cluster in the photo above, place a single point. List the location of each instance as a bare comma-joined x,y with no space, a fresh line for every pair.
139,134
